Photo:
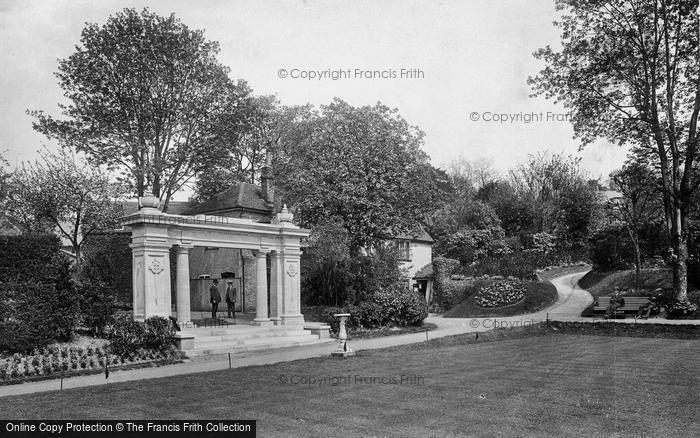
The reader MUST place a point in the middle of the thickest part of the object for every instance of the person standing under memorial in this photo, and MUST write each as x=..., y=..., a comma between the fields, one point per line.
x=231, y=300
x=214, y=298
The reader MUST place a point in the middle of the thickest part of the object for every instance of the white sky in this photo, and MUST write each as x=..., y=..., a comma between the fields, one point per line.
x=475, y=56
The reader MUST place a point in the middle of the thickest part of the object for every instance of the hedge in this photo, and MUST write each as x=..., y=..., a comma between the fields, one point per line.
x=35, y=315
x=108, y=261
x=24, y=257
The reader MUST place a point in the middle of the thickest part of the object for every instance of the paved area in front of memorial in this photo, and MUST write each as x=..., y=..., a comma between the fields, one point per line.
x=571, y=301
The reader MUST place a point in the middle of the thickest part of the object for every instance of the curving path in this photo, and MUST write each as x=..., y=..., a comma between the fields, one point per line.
x=570, y=303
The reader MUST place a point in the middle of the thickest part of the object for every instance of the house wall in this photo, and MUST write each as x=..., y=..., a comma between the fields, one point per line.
x=421, y=255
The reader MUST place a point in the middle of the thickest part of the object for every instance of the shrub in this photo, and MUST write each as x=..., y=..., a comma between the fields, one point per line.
x=543, y=242
x=330, y=276
x=158, y=334
x=128, y=337
x=401, y=306
x=448, y=292
x=523, y=265
x=470, y=245
x=389, y=307
x=36, y=314
x=97, y=304
x=679, y=310
x=500, y=293
x=611, y=249
x=108, y=260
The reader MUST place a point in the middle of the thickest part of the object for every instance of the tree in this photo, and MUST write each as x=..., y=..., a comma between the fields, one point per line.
x=72, y=197
x=515, y=213
x=628, y=72
x=470, y=175
x=244, y=138
x=146, y=94
x=326, y=263
x=362, y=166
x=564, y=203
x=639, y=205
x=5, y=178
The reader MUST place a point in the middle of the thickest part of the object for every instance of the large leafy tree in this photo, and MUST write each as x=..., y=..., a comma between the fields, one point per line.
x=145, y=95
x=363, y=167
x=629, y=72
x=63, y=194
x=258, y=127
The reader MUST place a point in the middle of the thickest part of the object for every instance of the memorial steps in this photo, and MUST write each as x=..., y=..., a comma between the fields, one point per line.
x=204, y=341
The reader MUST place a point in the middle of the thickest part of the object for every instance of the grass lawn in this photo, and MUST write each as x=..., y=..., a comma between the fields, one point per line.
x=554, y=385
x=538, y=296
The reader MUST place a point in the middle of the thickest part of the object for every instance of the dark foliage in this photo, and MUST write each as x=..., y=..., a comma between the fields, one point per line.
x=127, y=336
x=97, y=304
x=611, y=249
x=38, y=304
x=523, y=264
x=394, y=306
x=25, y=256
x=33, y=315
x=108, y=260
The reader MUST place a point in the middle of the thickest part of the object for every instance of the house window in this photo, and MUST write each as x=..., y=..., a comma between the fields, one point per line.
x=404, y=249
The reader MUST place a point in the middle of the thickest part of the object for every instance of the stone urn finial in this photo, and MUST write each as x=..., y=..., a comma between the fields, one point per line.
x=149, y=204
x=285, y=215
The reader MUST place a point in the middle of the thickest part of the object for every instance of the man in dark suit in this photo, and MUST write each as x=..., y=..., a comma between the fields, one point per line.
x=231, y=299
x=214, y=298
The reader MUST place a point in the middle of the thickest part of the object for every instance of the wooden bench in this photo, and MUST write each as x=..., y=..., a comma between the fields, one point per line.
x=632, y=305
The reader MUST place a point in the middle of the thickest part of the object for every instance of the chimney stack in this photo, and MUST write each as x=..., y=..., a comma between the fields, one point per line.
x=267, y=181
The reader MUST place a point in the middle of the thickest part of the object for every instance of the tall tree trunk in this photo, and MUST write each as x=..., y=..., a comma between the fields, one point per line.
x=140, y=186
x=679, y=259
x=637, y=259
x=78, y=261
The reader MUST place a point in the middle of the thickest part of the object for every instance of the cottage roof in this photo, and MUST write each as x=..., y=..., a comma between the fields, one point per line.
x=425, y=272
x=419, y=235
x=240, y=196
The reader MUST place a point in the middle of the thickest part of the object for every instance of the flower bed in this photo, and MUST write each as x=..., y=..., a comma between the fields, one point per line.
x=62, y=360
x=500, y=293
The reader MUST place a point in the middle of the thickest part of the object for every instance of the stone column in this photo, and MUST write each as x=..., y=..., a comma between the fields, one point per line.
x=183, y=284
x=261, y=289
x=276, y=291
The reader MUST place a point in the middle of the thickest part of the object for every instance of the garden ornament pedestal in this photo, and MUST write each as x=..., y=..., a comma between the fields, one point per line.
x=343, y=349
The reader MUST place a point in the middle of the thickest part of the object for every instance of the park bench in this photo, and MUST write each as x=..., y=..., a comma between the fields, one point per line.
x=632, y=305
